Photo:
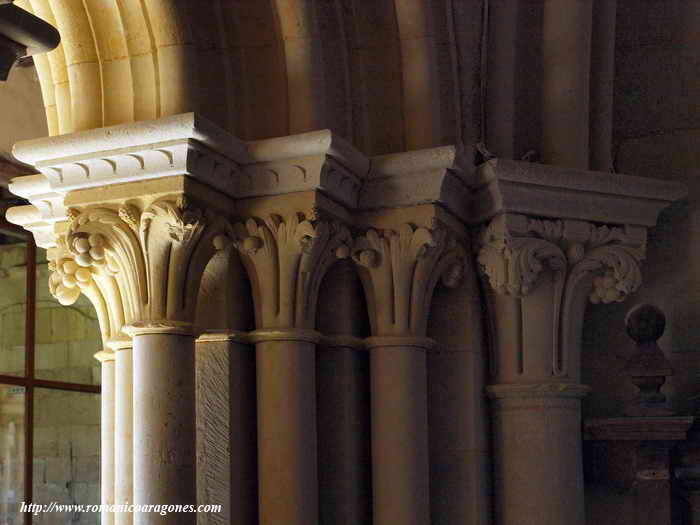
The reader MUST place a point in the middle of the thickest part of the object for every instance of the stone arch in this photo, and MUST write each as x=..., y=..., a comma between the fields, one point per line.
x=389, y=75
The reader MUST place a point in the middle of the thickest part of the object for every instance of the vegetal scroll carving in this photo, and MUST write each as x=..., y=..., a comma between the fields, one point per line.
x=400, y=269
x=138, y=266
x=286, y=259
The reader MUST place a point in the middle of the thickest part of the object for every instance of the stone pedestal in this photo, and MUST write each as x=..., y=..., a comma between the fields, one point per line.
x=634, y=453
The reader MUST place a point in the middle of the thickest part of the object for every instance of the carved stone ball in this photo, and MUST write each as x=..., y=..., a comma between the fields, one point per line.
x=342, y=251
x=220, y=242
x=453, y=275
x=252, y=244
x=645, y=323
x=369, y=258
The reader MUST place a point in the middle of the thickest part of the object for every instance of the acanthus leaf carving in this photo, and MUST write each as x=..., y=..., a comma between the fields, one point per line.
x=130, y=215
x=286, y=259
x=512, y=264
x=400, y=269
x=513, y=261
x=592, y=262
x=144, y=264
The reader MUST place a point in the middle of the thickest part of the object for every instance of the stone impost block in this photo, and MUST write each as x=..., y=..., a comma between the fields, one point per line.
x=508, y=186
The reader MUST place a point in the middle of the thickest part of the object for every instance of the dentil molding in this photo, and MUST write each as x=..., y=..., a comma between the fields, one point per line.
x=188, y=145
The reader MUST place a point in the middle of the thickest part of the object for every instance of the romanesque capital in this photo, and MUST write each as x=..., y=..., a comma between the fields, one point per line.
x=286, y=259
x=551, y=268
x=399, y=271
x=516, y=251
x=138, y=265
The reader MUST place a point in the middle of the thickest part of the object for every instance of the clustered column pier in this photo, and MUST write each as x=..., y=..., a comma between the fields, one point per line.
x=136, y=212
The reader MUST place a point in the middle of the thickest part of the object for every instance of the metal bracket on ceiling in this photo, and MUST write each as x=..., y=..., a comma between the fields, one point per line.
x=21, y=35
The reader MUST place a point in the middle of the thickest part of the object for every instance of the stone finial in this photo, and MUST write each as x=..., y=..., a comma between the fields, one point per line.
x=648, y=368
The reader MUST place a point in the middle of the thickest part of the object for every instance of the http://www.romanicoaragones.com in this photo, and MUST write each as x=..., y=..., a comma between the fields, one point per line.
x=163, y=510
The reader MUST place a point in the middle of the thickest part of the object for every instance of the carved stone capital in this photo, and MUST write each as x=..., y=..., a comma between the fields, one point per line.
x=286, y=259
x=542, y=273
x=399, y=271
x=516, y=250
x=138, y=266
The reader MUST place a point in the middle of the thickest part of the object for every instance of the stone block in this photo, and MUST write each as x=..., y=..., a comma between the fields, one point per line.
x=58, y=470
x=84, y=492
x=51, y=356
x=16, y=360
x=13, y=328
x=86, y=469
x=81, y=374
x=96, y=373
x=86, y=409
x=85, y=439
x=12, y=360
x=76, y=324
x=60, y=327
x=43, y=325
x=81, y=352
x=45, y=441
x=64, y=438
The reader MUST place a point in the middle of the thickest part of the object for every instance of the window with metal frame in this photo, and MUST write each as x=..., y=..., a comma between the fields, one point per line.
x=49, y=391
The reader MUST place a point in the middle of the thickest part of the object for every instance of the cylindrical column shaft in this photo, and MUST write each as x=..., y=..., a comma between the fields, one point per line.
x=344, y=447
x=107, y=418
x=286, y=394
x=566, y=62
x=501, y=78
x=226, y=430
x=164, y=425
x=123, y=430
x=400, y=464
x=603, y=80
x=538, y=471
